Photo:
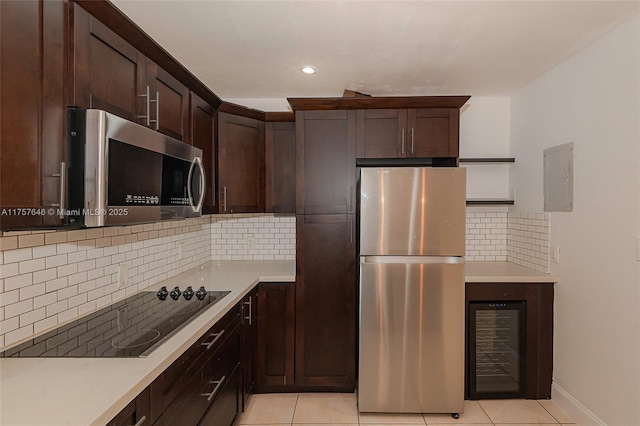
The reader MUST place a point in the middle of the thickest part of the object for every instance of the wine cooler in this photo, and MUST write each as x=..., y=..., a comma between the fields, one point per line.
x=496, y=349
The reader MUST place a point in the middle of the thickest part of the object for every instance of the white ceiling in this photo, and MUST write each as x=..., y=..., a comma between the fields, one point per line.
x=254, y=49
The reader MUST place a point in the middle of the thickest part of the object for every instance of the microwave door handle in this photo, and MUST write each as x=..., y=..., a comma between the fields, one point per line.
x=197, y=162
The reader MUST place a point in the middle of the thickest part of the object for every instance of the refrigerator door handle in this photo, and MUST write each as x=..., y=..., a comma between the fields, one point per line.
x=412, y=259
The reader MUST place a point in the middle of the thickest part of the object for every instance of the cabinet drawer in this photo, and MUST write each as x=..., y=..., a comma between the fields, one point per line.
x=224, y=409
x=180, y=374
x=207, y=385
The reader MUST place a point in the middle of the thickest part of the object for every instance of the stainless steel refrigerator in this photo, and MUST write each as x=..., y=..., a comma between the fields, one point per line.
x=411, y=340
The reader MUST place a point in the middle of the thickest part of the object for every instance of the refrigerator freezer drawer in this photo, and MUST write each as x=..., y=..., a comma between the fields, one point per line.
x=411, y=357
x=412, y=211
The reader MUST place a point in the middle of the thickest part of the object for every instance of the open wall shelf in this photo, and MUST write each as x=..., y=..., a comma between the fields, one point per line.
x=489, y=202
x=488, y=161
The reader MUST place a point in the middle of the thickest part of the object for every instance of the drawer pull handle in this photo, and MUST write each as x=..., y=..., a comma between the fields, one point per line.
x=215, y=339
x=141, y=421
x=218, y=384
x=248, y=304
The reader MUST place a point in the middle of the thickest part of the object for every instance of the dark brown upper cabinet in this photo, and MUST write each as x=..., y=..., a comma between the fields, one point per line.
x=33, y=59
x=202, y=128
x=325, y=162
x=112, y=75
x=280, y=163
x=399, y=127
x=171, y=101
x=241, y=172
x=407, y=133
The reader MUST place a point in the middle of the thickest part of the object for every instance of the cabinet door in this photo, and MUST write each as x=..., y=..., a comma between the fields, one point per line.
x=280, y=151
x=225, y=408
x=325, y=162
x=136, y=413
x=381, y=133
x=108, y=73
x=433, y=132
x=275, y=345
x=250, y=326
x=202, y=136
x=241, y=164
x=33, y=57
x=170, y=103
x=325, y=302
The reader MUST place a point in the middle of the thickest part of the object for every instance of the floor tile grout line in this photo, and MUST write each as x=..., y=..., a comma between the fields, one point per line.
x=485, y=412
x=550, y=413
x=552, y=416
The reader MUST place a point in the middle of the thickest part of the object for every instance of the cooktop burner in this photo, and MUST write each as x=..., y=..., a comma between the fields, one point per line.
x=132, y=327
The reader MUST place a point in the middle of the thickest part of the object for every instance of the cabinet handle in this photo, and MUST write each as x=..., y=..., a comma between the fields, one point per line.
x=248, y=303
x=215, y=339
x=157, y=102
x=218, y=383
x=412, y=141
x=351, y=230
x=402, y=142
x=351, y=206
x=224, y=195
x=141, y=421
x=63, y=183
x=147, y=117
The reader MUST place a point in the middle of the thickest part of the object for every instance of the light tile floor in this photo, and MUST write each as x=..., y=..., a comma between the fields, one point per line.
x=312, y=409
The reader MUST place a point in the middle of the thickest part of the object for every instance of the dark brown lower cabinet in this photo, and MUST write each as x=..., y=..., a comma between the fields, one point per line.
x=249, y=328
x=325, y=356
x=202, y=379
x=538, y=339
x=275, y=339
x=224, y=409
x=134, y=414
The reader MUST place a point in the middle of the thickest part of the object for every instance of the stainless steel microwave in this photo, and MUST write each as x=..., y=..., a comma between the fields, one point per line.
x=122, y=173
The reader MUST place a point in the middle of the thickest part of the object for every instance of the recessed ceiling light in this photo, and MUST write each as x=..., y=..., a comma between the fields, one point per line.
x=308, y=70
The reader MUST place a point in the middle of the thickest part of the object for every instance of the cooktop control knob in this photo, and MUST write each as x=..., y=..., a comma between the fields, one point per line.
x=175, y=293
x=201, y=293
x=188, y=293
x=162, y=293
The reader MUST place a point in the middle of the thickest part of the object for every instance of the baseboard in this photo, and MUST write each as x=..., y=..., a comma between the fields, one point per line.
x=572, y=407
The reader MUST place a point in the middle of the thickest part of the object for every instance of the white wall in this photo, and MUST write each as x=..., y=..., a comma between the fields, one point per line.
x=592, y=100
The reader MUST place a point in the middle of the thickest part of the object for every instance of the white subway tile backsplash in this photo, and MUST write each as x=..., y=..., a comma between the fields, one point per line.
x=19, y=334
x=528, y=240
x=19, y=308
x=44, y=300
x=253, y=237
x=19, y=255
x=31, y=240
x=486, y=235
x=17, y=282
x=32, y=291
x=9, y=325
x=70, y=273
x=9, y=270
x=32, y=316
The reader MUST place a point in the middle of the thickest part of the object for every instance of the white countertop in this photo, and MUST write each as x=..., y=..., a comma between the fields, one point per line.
x=504, y=272
x=91, y=391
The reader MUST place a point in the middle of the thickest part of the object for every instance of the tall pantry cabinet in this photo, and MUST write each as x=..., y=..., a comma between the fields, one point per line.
x=325, y=231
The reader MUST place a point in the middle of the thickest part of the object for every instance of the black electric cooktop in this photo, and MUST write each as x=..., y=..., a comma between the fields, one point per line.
x=132, y=327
